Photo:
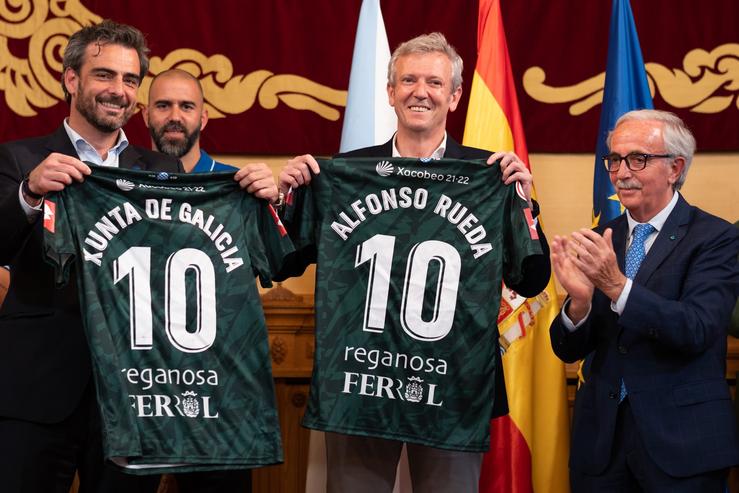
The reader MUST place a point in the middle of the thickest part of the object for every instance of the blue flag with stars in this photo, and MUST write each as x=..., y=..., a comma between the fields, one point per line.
x=626, y=89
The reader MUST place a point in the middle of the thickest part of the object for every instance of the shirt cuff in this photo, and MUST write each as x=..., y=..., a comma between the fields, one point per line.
x=571, y=327
x=32, y=212
x=620, y=303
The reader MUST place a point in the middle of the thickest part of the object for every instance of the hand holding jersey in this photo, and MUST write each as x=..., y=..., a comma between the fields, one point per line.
x=513, y=170
x=54, y=173
x=298, y=172
x=257, y=179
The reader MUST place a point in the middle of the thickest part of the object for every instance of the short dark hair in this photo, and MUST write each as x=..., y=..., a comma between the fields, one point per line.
x=107, y=32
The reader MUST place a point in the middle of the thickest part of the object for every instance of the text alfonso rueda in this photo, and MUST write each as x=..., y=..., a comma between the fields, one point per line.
x=121, y=217
x=405, y=198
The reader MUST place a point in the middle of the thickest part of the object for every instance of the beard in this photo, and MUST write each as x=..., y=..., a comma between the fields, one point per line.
x=174, y=147
x=88, y=106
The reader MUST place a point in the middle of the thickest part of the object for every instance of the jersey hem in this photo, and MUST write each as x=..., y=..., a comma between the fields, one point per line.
x=395, y=436
x=163, y=468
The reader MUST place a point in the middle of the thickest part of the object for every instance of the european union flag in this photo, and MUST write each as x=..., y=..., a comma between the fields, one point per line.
x=625, y=89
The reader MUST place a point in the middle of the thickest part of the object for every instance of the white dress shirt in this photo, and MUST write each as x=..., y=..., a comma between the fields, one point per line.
x=85, y=152
x=436, y=155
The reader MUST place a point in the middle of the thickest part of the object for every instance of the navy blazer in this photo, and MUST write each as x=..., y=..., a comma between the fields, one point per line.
x=668, y=345
x=44, y=359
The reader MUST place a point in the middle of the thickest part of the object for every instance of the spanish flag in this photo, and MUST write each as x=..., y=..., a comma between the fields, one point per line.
x=529, y=448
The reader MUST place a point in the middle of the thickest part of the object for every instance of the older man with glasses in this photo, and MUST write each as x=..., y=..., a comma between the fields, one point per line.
x=650, y=295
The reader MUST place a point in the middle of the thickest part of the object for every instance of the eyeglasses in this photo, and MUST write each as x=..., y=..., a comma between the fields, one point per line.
x=634, y=161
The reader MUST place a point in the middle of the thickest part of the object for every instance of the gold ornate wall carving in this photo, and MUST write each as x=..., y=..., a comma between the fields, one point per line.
x=33, y=83
x=227, y=94
x=707, y=83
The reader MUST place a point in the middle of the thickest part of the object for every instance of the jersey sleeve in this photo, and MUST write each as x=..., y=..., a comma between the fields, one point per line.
x=59, y=247
x=301, y=216
x=269, y=243
x=521, y=237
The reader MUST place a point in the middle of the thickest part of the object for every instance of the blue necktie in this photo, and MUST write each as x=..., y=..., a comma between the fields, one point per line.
x=634, y=257
x=636, y=252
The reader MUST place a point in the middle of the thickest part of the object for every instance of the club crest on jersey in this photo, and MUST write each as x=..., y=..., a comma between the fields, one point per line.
x=414, y=389
x=49, y=215
x=384, y=168
x=125, y=185
x=190, y=405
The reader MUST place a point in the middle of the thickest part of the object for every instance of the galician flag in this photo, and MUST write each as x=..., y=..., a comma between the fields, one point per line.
x=368, y=118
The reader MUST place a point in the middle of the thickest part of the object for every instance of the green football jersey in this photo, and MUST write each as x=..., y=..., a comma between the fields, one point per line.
x=165, y=268
x=411, y=256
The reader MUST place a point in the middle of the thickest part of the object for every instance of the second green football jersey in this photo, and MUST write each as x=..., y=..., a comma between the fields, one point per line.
x=410, y=263
x=165, y=266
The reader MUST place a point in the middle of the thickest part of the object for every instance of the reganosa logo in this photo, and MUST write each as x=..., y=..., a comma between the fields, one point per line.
x=125, y=185
x=384, y=168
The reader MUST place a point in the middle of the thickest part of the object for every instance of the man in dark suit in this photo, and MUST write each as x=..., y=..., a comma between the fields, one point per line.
x=48, y=418
x=650, y=295
x=424, y=85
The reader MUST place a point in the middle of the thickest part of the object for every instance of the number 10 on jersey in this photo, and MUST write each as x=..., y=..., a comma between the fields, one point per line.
x=378, y=251
x=135, y=263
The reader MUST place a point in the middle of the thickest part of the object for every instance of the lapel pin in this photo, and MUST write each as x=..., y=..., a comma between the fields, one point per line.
x=673, y=237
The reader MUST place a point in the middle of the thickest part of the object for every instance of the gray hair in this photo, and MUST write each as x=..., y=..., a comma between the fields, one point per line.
x=107, y=32
x=428, y=43
x=677, y=137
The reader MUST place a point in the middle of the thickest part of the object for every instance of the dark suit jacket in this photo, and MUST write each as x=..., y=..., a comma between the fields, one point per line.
x=537, y=270
x=44, y=360
x=669, y=345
